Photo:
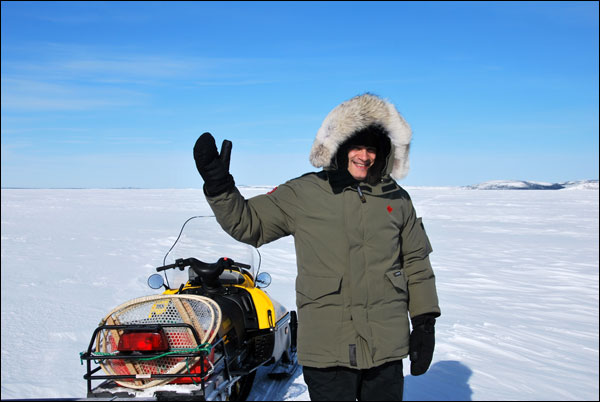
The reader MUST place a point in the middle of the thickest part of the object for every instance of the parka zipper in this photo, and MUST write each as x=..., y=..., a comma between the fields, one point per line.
x=360, y=194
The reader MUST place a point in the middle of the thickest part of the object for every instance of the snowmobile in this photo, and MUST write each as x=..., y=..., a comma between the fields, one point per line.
x=201, y=340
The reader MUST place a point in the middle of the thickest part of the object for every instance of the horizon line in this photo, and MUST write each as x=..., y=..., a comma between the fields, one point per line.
x=266, y=186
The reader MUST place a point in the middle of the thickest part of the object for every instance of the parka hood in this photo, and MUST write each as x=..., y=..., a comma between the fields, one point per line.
x=357, y=114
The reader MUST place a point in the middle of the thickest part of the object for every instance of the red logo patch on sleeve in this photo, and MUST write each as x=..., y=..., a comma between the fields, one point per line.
x=390, y=209
x=272, y=191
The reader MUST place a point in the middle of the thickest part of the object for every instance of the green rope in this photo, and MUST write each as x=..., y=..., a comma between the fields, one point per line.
x=187, y=366
x=205, y=347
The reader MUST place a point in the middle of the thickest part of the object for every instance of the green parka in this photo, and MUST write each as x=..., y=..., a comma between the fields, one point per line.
x=361, y=251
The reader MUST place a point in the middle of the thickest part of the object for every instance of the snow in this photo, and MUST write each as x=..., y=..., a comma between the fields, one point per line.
x=517, y=277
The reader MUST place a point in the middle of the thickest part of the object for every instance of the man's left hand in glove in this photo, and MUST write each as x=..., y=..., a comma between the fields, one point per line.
x=422, y=343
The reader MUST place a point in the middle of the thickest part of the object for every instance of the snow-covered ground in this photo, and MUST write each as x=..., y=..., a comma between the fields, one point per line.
x=517, y=276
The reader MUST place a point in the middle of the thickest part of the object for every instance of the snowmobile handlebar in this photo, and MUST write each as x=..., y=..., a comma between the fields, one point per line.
x=209, y=272
x=194, y=263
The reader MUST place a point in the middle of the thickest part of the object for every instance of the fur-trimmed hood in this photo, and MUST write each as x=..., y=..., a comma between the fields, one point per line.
x=354, y=115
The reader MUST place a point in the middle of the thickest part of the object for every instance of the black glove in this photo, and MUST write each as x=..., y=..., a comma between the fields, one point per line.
x=422, y=343
x=213, y=168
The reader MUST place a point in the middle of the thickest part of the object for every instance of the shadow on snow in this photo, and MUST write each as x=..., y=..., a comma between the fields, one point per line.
x=446, y=380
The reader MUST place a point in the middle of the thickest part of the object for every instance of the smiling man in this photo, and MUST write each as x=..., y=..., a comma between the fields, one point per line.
x=358, y=154
x=362, y=253
x=360, y=159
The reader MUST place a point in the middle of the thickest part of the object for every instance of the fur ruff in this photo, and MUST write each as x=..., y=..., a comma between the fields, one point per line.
x=356, y=114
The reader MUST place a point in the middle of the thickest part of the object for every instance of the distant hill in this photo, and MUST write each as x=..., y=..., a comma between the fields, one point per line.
x=534, y=185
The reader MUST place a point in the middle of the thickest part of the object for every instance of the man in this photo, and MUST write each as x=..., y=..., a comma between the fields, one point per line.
x=362, y=253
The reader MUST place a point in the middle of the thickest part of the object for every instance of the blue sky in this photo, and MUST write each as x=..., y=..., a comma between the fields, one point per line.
x=114, y=94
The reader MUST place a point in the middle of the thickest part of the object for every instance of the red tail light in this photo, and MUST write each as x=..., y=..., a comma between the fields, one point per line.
x=134, y=341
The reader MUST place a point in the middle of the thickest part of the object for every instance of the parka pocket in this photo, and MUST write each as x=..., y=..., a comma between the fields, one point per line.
x=398, y=279
x=314, y=289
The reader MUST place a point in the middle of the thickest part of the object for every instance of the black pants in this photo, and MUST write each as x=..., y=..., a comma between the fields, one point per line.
x=382, y=383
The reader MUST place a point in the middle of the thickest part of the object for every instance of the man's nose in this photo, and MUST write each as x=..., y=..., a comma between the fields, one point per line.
x=363, y=154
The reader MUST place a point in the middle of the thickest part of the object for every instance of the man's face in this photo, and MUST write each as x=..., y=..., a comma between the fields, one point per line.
x=360, y=159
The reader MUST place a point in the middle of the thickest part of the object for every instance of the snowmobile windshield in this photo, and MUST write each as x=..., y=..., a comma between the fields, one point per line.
x=202, y=238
